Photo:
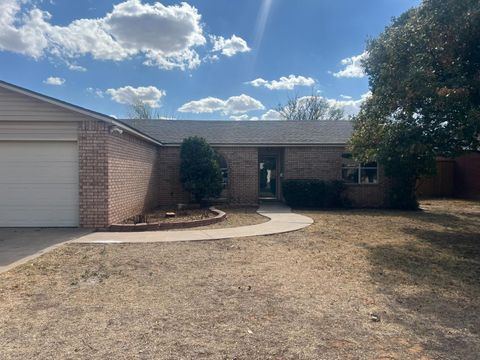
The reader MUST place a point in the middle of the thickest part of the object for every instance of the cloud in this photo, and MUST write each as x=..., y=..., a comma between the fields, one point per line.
x=97, y=92
x=75, y=67
x=129, y=95
x=232, y=106
x=55, y=81
x=206, y=105
x=271, y=115
x=353, y=67
x=229, y=47
x=350, y=106
x=240, y=117
x=166, y=36
x=284, y=83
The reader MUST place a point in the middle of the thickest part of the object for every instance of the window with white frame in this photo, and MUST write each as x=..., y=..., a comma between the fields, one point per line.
x=354, y=173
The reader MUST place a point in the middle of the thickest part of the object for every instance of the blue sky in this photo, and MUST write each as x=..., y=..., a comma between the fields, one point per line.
x=203, y=59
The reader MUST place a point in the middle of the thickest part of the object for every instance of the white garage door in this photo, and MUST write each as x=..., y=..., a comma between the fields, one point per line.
x=38, y=184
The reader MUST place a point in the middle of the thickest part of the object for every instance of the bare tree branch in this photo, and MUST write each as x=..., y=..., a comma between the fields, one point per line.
x=309, y=108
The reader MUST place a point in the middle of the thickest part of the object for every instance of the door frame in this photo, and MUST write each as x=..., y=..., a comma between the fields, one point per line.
x=272, y=155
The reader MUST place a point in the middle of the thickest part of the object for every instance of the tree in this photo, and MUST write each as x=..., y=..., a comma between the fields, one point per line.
x=424, y=75
x=142, y=111
x=312, y=107
x=199, y=169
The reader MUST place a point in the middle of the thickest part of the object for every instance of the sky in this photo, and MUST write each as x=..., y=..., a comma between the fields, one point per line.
x=197, y=59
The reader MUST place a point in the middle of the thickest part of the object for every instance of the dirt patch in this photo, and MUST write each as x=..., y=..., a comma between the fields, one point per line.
x=355, y=285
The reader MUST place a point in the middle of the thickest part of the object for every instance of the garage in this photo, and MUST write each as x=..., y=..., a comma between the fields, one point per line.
x=39, y=184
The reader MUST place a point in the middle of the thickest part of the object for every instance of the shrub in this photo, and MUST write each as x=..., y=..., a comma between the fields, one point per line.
x=314, y=193
x=200, y=172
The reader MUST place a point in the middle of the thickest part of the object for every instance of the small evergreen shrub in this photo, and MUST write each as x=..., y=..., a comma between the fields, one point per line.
x=314, y=193
x=200, y=172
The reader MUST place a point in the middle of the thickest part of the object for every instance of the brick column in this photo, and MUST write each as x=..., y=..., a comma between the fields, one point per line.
x=93, y=171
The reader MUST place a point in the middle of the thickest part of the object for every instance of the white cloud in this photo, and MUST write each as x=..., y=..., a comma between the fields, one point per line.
x=240, y=117
x=129, y=95
x=346, y=97
x=55, y=81
x=167, y=36
x=284, y=83
x=353, y=67
x=232, y=106
x=350, y=106
x=97, y=92
x=206, y=105
x=271, y=115
x=229, y=47
x=75, y=67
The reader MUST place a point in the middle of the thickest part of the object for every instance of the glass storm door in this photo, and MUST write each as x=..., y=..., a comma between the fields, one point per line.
x=267, y=177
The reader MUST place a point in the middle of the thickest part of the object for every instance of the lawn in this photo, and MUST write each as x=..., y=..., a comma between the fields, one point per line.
x=355, y=285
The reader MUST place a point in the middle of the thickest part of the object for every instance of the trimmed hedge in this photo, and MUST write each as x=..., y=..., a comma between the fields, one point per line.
x=314, y=193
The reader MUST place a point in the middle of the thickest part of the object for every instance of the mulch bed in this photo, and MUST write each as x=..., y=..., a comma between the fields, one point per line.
x=159, y=220
x=158, y=215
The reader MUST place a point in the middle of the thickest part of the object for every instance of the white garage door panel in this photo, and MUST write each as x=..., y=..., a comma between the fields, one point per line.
x=39, y=195
x=38, y=173
x=38, y=183
x=38, y=218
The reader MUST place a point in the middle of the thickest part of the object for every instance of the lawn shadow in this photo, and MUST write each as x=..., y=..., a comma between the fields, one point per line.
x=433, y=282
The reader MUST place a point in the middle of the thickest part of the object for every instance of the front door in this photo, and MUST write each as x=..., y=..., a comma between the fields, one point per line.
x=268, y=177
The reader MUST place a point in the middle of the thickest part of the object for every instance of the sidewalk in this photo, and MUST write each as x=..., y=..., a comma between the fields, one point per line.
x=282, y=220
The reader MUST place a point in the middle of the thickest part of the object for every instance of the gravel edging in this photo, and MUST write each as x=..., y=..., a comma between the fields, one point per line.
x=159, y=226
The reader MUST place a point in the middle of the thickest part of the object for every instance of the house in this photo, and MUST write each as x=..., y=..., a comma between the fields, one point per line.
x=65, y=166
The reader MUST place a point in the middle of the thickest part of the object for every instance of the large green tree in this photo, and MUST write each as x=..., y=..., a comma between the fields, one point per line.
x=424, y=75
x=200, y=172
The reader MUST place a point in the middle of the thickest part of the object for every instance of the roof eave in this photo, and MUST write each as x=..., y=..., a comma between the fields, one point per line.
x=78, y=109
x=265, y=144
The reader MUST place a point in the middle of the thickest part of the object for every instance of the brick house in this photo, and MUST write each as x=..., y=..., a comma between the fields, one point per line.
x=63, y=165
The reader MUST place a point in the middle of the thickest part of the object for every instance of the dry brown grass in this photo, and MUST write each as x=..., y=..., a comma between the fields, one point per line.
x=237, y=216
x=304, y=295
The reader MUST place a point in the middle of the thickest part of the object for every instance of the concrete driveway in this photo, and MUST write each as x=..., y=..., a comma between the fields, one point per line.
x=18, y=245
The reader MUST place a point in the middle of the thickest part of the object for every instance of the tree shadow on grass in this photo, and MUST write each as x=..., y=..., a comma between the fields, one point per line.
x=433, y=283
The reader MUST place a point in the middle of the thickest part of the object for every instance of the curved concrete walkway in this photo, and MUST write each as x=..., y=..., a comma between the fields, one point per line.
x=282, y=220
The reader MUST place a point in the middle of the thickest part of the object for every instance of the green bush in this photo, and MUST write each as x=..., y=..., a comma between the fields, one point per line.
x=200, y=172
x=314, y=193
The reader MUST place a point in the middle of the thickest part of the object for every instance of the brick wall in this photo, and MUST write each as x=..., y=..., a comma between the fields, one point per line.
x=93, y=174
x=325, y=163
x=242, y=174
x=118, y=175
x=171, y=192
x=322, y=163
x=121, y=175
x=133, y=177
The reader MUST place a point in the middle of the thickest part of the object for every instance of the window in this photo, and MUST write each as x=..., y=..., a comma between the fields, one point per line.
x=353, y=173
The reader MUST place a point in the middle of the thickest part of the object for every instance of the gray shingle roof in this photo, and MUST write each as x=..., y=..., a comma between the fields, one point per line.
x=171, y=132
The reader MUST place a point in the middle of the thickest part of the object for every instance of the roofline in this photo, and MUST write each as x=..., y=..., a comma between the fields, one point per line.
x=78, y=109
x=265, y=145
x=232, y=121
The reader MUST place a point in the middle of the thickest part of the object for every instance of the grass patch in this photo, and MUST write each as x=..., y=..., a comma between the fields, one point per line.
x=311, y=294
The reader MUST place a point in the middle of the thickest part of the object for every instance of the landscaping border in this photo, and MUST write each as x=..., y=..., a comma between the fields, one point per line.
x=159, y=226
